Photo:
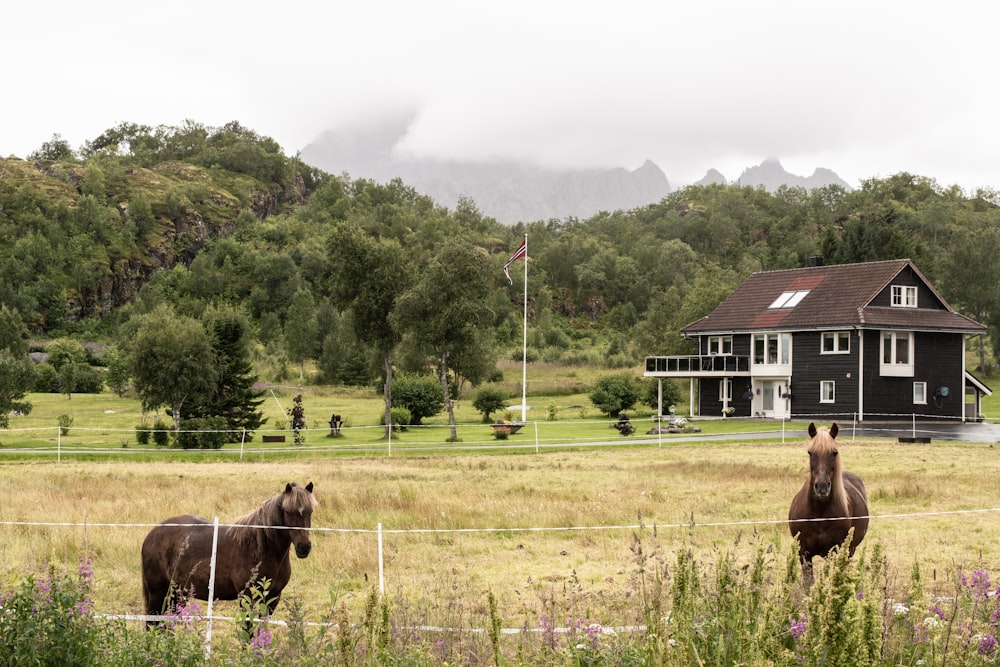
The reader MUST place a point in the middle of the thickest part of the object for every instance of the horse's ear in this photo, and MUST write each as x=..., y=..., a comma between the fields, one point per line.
x=288, y=487
x=309, y=487
x=812, y=430
x=834, y=430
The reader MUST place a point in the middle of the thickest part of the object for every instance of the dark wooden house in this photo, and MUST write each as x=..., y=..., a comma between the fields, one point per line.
x=864, y=341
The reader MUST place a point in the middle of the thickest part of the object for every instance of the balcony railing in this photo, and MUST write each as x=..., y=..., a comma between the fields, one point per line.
x=698, y=364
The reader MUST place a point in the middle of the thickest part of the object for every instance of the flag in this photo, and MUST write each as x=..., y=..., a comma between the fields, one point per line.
x=521, y=252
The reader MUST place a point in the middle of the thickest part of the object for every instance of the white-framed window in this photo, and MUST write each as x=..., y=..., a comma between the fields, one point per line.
x=726, y=390
x=788, y=299
x=827, y=391
x=720, y=345
x=896, y=353
x=836, y=342
x=904, y=296
x=772, y=348
x=920, y=393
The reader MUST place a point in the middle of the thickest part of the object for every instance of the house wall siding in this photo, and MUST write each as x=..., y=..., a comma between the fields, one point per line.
x=937, y=361
x=810, y=367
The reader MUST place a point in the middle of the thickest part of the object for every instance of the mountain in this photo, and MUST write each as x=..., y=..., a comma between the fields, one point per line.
x=508, y=191
x=771, y=175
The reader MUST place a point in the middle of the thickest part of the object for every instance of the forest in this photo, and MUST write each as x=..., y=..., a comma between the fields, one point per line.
x=350, y=279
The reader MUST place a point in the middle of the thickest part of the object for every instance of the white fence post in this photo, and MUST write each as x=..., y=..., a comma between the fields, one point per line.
x=381, y=569
x=211, y=587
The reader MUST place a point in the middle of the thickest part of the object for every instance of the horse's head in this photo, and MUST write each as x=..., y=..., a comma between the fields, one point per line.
x=824, y=460
x=297, y=504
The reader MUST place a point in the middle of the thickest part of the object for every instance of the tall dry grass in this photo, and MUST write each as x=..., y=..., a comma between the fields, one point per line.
x=558, y=531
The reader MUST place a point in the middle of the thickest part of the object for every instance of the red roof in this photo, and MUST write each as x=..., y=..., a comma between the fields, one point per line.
x=839, y=295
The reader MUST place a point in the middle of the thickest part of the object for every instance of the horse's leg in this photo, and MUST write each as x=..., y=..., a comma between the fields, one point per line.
x=806, y=560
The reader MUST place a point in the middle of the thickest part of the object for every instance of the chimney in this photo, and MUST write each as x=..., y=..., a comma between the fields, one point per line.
x=816, y=260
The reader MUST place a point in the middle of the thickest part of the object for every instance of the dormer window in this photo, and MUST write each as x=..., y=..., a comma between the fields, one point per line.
x=904, y=296
x=788, y=299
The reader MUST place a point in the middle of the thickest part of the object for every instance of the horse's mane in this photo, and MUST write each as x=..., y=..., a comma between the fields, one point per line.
x=269, y=514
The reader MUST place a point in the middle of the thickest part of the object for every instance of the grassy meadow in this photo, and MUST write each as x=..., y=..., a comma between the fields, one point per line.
x=537, y=527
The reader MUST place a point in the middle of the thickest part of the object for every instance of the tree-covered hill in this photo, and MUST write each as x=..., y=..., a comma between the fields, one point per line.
x=198, y=218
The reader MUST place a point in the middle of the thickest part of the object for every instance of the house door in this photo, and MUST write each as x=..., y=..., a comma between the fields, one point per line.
x=771, y=402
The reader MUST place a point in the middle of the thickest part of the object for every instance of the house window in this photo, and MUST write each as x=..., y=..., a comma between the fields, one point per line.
x=896, y=353
x=920, y=393
x=904, y=296
x=772, y=348
x=726, y=390
x=720, y=345
x=788, y=299
x=836, y=342
x=827, y=391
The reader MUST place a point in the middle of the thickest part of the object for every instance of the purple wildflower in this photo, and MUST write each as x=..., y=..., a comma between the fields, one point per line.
x=797, y=628
x=987, y=645
x=995, y=618
x=261, y=641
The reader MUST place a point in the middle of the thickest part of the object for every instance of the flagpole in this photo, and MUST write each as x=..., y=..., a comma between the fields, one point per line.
x=524, y=345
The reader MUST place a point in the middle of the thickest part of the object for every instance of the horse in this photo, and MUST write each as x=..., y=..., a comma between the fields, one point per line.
x=832, y=495
x=177, y=553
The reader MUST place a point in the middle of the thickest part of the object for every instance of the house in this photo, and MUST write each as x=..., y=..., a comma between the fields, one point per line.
x=852, y=341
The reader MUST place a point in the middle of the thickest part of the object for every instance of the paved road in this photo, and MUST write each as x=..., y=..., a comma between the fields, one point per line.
x=970, y=432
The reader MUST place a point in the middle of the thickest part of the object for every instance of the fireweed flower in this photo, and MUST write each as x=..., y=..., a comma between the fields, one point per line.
x=987, y=645
x=261, y=641
x=797, y=628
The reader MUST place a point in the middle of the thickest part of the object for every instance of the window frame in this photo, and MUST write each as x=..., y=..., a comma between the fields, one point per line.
x=828, y=397
x=923, y=399
x=904, y=296
x=725, y=390
x=893, y=367
x=837, y=337
x=717, y=346
x=782, y=346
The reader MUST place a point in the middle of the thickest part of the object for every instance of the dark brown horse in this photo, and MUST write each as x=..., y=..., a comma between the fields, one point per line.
x=829, y=504
x=176, y=555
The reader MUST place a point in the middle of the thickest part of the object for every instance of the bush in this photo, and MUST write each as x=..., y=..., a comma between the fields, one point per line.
x=420, y=394
x=203, y=433
x=615, y=393
x=65, y=421
x=671, y=394
x=400, y=418
x=489, y=400
x=46, y=379
x=161, y=433
x=142, y=433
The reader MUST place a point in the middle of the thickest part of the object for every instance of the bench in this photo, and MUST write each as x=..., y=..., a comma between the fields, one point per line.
x=273, y=438
x=917, y=439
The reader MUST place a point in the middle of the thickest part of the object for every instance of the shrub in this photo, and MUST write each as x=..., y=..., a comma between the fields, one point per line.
x=615, y=393
x=671, y=394
x=400, y=418
x=202, y=433
x=65, y=421
x=161, y=433
x=420, y=394
x=489, y=400
x=142, y=433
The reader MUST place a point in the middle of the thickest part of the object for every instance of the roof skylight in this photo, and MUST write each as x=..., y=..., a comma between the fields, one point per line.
x=788, y=299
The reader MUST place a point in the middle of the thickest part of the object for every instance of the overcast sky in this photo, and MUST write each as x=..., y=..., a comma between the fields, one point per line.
x=867, y=89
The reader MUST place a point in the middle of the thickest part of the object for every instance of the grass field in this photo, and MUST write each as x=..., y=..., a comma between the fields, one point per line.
x=547, y=521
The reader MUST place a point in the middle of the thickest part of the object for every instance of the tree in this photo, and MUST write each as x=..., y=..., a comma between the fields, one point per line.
x=489, y=400
x=171, y=361
x=302, y=330
x=16, y=378
x=368, y=276
x=55, y=148
x=447, y=306
x=297, y=415
x=233, y=397
x=13, y=332
x=651, y=394
x=613, y=394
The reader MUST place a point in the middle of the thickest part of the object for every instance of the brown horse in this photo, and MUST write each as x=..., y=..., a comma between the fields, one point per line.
x=830, y=503
x=176, y=555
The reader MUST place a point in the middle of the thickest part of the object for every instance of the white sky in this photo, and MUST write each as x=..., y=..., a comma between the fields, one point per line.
x=866, y=88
